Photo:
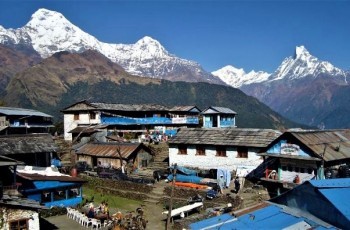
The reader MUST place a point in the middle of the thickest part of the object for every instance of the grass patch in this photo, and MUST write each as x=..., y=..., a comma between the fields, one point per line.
x=114, y=202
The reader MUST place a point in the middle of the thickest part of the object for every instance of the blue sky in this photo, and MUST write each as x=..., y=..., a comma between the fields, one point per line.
x=247, y=34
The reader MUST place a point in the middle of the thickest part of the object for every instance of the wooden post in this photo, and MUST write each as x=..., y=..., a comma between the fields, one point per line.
x=171, y=197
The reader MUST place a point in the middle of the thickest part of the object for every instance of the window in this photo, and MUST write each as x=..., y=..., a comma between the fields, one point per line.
x=200, y=150
x=76, y=116
x=220, y=151
x=182, y=150
x=19, y=224
x=92, y=116
x=242, y=152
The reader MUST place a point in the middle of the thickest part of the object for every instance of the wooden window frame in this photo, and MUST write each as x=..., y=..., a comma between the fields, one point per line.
x=200, y=150
x=92, y=115
x=242, y=152
x=221, y=151
x=76, y=116
x=18, y=226
x=182, y=150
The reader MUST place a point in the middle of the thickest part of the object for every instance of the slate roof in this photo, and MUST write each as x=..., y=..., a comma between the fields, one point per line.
x=334, y=143
x=111, y=149
x=28, y=143
x=185, y=108
x=225, y=136
x=6, y=161
x=20, y=202
x=218, y=110
x=88, y=106
x=22, y=112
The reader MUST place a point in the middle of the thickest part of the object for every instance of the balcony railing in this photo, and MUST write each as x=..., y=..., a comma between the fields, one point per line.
x=148, y=121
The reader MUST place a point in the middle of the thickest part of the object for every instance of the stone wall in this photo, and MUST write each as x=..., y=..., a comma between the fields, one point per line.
x=9, y=215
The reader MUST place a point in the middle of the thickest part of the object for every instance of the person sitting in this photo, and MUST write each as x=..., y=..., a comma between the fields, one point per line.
x=101, y=207
x=91, y=212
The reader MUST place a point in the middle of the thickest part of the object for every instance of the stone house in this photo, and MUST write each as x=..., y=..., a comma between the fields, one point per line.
x=32, y=149
x=120, y=118
x=301, y=155
x=110, y=154
x=224, y=148
x=23, y=121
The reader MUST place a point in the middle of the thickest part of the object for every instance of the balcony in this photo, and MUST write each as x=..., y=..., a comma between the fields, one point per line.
x=148, y=121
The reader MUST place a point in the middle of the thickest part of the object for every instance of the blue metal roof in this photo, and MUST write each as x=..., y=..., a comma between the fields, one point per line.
x=331, y=183
x=22, y=112
x=271, y=217
x=339, y=197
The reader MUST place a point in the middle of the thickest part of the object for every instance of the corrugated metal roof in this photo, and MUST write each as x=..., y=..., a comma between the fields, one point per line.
x=333, y=144
x=28, y=143
x=225, y=136
x=216, y=110
x=271, y=217
x=38, y=177
x=22, y=112
x=110, y=149
x=333, y=183
x=339, y=197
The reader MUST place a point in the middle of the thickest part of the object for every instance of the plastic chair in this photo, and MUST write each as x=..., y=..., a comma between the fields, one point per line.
x=95, y=223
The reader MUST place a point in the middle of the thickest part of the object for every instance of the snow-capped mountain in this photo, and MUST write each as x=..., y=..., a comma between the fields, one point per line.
x=303, y=64
x=306, y=90
x=238, y=77
x=49, y=32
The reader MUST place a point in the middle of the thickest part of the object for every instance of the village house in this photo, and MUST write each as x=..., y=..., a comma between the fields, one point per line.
x=125, y=118
x=32, y=149
x=16, y=212
x=49, y=187
x=114, y=154
x=220, y=117
x=220, y=148
x=23, y=121
x=301, y=155
x=315, y=204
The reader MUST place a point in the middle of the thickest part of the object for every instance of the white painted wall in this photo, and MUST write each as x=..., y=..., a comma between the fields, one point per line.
x=210, y=160
x=84, y=119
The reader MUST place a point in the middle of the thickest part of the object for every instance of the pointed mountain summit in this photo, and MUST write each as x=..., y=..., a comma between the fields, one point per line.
x=303, y=64
x=306, y=90
x=238, y=77
x=49, y=32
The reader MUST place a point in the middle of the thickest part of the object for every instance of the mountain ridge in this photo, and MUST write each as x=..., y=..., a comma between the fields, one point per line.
x=303, y=89
x=146, y=58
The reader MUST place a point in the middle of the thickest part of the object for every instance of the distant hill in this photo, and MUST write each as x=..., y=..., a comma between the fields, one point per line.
x=66, y=78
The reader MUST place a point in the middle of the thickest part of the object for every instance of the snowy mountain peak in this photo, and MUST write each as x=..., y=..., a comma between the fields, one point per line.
x=301, y=53
x=238, y=77
x=152, y=46
x=304, y=64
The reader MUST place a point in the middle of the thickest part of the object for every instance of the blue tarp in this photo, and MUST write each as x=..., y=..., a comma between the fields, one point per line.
x=186, y=178
x=183, y=170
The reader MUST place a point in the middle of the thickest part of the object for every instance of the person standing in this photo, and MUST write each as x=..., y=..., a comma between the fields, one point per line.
x=221, y=184
x=237, y=184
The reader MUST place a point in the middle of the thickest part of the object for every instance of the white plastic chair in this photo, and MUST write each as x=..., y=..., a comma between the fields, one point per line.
x=95, y=223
